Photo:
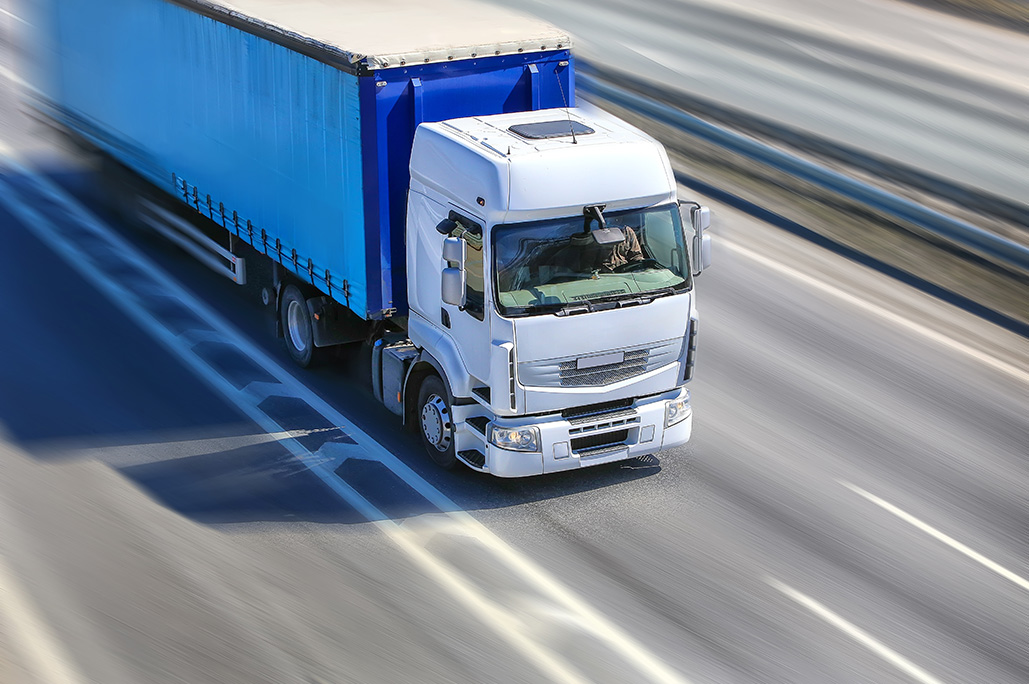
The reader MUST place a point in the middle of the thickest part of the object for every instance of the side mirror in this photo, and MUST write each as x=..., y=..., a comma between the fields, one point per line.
x=453, y=251
x=700, y=218
x=446, y=226
x=452, y=282
x=452, y=287
x=704, y=249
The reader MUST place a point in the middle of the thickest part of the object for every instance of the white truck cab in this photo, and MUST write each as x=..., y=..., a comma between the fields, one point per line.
x=550, y=285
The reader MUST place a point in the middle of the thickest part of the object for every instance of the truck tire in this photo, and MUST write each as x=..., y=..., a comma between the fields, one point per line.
x=296, y=327
x=436, y=422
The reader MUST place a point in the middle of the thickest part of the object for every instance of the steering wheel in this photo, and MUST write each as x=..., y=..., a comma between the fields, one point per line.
x=634, y=266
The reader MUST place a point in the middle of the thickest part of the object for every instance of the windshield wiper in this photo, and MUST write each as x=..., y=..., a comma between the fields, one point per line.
x=663, y=292
x=572, y=309
x=633, y=298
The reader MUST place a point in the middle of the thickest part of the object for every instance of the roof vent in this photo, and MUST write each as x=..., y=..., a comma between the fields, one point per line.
x=541, y=130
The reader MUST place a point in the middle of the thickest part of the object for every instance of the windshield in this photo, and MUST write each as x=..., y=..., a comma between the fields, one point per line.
x=557, y=266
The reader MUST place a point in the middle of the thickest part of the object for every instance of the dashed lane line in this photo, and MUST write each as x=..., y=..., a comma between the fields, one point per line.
x=13, y=77
x=865, y=305
x=856, y=633
x=1018, y=580
x=115, y=252
x=44, y=655
x=10, y=15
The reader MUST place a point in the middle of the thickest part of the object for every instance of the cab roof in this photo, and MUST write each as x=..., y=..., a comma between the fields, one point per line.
x=523, y=178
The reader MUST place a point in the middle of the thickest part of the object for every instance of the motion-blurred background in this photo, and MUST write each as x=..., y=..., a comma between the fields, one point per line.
x=853, y=504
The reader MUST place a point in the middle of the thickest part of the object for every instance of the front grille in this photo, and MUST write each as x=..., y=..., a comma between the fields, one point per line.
x=565, y=372
x=591, y=442
x=635, y=363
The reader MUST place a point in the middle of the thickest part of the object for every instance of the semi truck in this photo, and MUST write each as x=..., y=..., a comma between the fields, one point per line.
x=419, y=176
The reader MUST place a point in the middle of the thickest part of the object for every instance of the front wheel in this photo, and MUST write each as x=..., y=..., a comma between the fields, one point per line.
x=296, y=327
x=436, y=422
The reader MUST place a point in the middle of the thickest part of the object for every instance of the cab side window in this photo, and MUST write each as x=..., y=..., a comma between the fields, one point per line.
x=471, y=232
x=475, y=298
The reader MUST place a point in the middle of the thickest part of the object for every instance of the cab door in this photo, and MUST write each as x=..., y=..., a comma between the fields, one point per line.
x=468, y=324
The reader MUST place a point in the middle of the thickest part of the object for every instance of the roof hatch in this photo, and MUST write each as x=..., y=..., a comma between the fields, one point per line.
x=541, y=130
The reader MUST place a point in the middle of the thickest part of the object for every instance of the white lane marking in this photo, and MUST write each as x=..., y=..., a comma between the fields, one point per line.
x=865, y=305
x=940, y=536
x=7, y=13
x=45, y=657
x=247, y=400
x=512, y=628
x=13, y=77
x=856, y=633
x=47, y=660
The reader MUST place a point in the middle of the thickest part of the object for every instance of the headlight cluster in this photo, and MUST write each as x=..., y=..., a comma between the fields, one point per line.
x=515, y=439
x=677, y=411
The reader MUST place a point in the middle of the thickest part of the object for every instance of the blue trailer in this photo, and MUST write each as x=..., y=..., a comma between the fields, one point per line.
x=279, y=121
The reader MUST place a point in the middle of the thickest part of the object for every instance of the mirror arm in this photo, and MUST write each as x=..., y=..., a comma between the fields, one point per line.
x=594, y=212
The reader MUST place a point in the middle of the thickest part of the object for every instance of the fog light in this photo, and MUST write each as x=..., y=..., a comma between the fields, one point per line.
x=677, y=411
x=515, y=439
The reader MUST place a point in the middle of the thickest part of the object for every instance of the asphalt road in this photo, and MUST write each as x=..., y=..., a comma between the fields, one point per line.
x=939, y=94
x=853, y=507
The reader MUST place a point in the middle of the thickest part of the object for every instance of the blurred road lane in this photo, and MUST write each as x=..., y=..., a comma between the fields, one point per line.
x=938, y=93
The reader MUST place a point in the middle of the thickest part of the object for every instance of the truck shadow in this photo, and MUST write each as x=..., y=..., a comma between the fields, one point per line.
x=91, y=384
x=264, y=483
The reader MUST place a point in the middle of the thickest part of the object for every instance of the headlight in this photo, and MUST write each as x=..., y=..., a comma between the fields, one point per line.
x=677, y=411
x=515, y=439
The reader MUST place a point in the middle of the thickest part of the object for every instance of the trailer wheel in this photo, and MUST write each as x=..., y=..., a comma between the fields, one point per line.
x=296, y=327
x=436, y=422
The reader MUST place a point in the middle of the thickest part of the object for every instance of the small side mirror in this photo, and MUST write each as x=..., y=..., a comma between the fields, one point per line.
x=453, y=252
x=705, y=253
x=700, y=219
x=452, y=284
x=452, y=287
x=446, y=226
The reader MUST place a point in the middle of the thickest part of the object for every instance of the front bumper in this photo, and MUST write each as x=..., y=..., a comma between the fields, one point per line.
x=583, y=441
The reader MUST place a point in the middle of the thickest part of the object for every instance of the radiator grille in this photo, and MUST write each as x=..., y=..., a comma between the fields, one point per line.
x=635, y=363
x=565, y=372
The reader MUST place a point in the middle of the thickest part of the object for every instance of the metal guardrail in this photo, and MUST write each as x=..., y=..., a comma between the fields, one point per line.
x=972, y=237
